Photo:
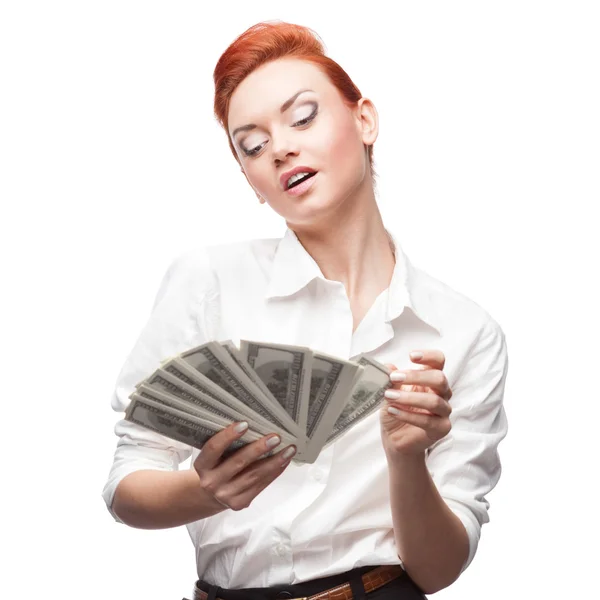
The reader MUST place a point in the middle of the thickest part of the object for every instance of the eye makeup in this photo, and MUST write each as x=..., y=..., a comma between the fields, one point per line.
x=300, y=123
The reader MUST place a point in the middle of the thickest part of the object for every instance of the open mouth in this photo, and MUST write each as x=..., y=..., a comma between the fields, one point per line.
x=299, y=181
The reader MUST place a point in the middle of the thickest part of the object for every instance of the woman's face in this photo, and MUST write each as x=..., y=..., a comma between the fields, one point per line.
x=316, y=130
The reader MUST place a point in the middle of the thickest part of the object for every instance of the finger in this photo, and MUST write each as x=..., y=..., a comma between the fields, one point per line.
x=393, y=368
x=215, y=480
x=242, y=458
x=427, y=402
x=430, y=357
x=431, y=378
x=212, y=451
x=264, y=469
x=247, y=485
x=435, y=427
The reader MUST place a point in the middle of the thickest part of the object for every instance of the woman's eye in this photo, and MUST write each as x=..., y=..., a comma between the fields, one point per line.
x=253, y=151
x=308, y=119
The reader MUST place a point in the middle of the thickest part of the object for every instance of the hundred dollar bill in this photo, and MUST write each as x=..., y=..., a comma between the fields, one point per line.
x=167, y=383
x=286, y=371
x=207, y=418
x=170, y=401
x=332, y=381
x=237, y=357
x=164, y=381
x=365, y=398
x=174, y=406
x=214, y=363
x=188, y=375
x=211, y=392
x=178, y=425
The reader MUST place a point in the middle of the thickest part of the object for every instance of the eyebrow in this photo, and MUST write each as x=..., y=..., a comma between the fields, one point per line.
x=283, y=108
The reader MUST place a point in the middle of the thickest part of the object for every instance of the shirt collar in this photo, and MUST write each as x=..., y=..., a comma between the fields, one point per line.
x=294, y=268
x=408, y=290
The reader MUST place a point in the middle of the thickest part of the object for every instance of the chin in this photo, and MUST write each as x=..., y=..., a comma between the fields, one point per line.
x=311, y=212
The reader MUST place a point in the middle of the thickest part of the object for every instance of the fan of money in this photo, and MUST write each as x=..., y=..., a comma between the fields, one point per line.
x=307, y=397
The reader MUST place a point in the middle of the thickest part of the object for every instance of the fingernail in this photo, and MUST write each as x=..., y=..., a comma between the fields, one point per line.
x=393, y=394
x=394, y=410
x=241, y=427
x=271, y=442
x=289, y=452
x=398, y=376
x=416, y=355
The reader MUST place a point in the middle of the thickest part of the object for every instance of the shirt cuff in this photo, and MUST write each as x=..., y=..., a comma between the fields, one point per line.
x=129, y=459
x=471, y=525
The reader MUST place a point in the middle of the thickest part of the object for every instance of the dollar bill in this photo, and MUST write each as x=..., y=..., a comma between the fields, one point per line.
x=166, y=399
x=236, y=356
x=164, y=381
x=309, y=398
x=286, y=371
x=332, y=381
x=201, y=389
x=365, y=398
x=214, y=363
x=178, y=425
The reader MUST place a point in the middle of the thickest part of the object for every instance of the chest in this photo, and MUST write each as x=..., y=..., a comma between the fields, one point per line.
x=322, y=317
x=370, y=309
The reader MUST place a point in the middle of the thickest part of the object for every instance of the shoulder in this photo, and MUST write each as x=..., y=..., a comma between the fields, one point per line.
x=236, y=255
x=233, y=265
x=212, y=260
x=452, y=309
x=215, y=255
x=206, y=271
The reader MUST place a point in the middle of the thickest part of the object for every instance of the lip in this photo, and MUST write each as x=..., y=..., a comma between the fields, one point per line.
x=302, y=188
x=284, y=178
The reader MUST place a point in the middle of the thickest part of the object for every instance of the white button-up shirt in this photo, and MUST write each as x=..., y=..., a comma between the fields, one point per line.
x=334, y=515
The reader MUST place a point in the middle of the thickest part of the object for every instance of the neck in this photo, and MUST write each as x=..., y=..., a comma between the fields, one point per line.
x=354, y=249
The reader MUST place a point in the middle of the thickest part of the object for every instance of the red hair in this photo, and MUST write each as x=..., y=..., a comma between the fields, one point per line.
x=266, y=42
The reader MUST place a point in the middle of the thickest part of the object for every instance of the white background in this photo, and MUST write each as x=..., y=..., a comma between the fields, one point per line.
x=111, y=163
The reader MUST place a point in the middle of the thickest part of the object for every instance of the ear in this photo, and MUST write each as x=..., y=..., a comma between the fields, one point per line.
x=368, y=121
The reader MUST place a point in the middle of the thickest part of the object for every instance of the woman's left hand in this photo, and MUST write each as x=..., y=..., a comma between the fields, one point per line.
x=422, y=401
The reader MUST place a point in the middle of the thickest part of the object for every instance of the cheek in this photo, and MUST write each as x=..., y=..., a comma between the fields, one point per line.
x=258, y=178
x=344, y=149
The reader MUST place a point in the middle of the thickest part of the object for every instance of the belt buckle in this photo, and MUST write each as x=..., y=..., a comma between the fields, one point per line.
x=290, y=598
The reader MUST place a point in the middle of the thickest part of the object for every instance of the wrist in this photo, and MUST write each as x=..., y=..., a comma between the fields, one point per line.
x=405, y=459
x=203, y=499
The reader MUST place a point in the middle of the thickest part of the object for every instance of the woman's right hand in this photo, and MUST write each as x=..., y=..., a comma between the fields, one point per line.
x=236, y=480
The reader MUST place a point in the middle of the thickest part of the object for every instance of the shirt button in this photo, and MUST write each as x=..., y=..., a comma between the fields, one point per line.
x=281, y=550
x=317, y=474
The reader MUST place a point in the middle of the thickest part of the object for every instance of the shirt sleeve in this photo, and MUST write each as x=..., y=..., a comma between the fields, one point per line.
x=465, y=465
x=185, y=314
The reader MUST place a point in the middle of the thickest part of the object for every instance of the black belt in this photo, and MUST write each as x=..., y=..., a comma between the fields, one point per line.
x=372, y=580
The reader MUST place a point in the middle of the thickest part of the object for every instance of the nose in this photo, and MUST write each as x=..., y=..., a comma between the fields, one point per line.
x=283, y=146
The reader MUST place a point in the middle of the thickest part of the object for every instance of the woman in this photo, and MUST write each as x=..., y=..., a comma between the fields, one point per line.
x=393, y=508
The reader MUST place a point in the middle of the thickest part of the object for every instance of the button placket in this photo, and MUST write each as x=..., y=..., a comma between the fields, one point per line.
x=280, y=551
